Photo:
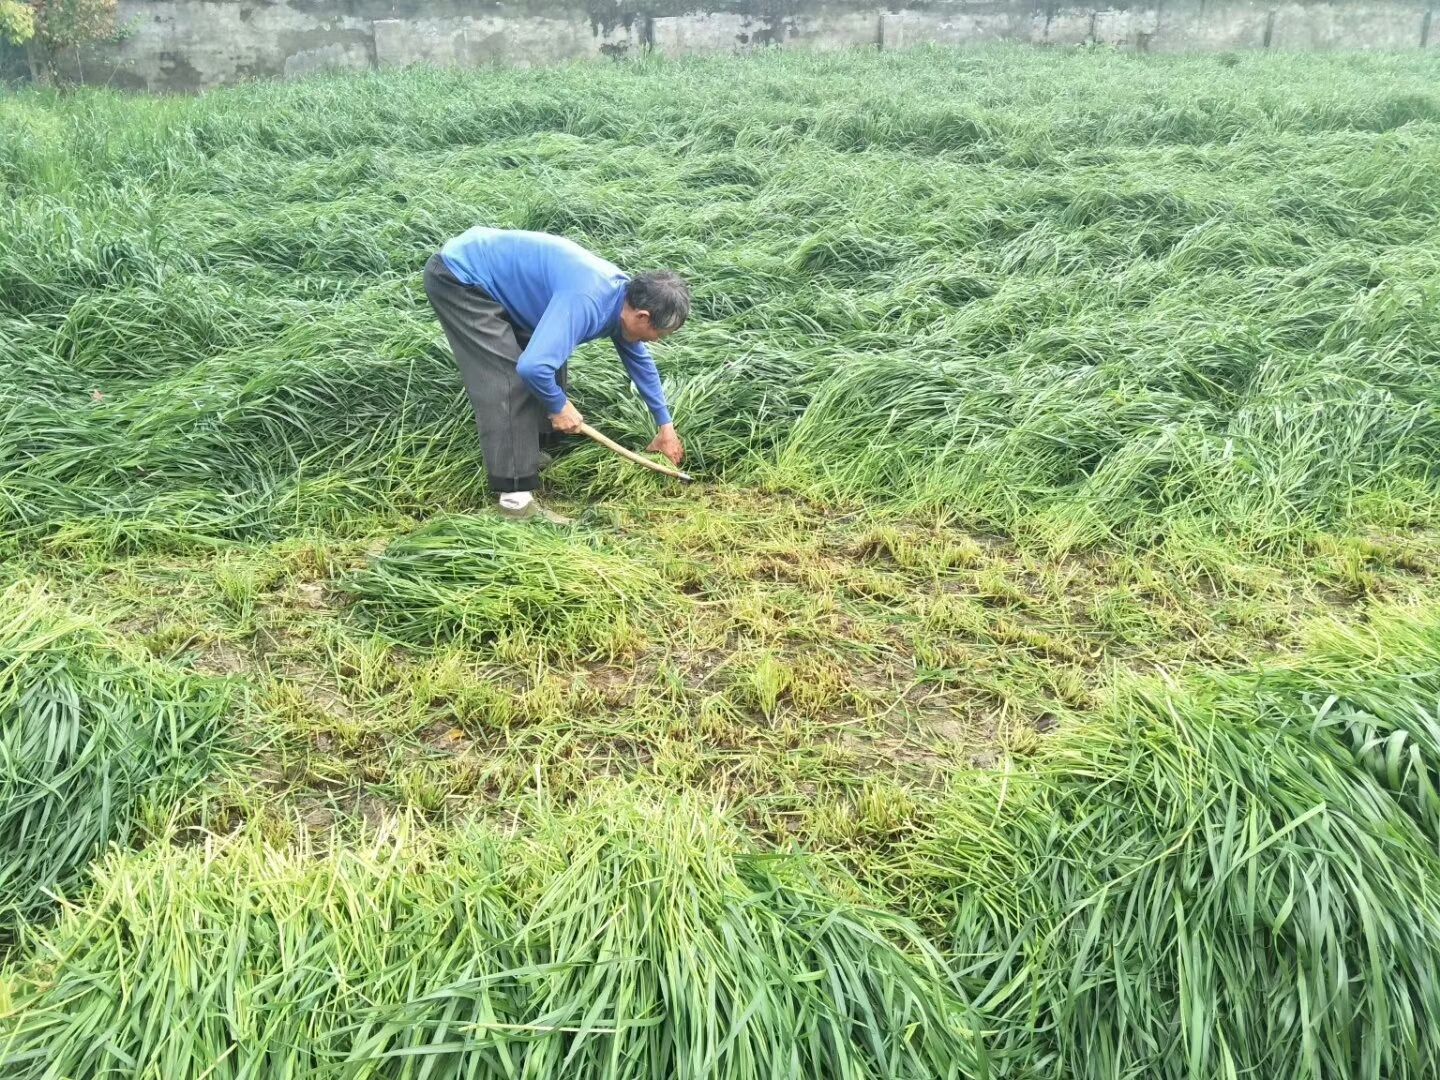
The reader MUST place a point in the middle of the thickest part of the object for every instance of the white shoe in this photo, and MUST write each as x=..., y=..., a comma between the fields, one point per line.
x=533, y=509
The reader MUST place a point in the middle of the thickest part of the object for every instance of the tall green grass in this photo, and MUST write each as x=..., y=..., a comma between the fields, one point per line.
x=91, y=743
x=1061, y=292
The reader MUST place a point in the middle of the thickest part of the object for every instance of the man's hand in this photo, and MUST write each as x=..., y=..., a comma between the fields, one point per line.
x=669, y=444
x=568, y=420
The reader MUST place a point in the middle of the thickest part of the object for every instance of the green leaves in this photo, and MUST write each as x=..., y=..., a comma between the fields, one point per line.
x=17, y=21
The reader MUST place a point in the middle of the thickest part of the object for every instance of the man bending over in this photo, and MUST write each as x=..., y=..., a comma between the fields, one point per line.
x=514, y=306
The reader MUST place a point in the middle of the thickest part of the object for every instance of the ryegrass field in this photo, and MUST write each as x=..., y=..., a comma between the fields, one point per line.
x=1042, y=681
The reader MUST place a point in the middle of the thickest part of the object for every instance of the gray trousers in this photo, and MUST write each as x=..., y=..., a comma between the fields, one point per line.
x=512, y=421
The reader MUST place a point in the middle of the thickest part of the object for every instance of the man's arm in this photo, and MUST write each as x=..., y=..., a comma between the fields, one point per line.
x=561, y=329
x=641, y=367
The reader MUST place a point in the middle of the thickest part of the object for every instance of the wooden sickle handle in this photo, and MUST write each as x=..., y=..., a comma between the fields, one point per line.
x=609, y=443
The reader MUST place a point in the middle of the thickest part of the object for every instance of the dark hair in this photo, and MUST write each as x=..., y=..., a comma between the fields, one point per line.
x=664, y=294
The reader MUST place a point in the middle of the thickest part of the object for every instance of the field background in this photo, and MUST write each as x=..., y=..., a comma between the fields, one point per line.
x=1042, y=681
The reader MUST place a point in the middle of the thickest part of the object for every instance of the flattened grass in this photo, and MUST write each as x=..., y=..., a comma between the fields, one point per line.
x=1230, y=878
x=90, y=741
x=1056, y=375
x=622, y=940
x=1090, y=313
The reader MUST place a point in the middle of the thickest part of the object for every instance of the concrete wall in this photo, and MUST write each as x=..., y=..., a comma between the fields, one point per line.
x=186, y=45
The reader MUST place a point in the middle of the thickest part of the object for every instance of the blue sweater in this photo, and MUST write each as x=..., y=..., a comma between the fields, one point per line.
x=563, y=295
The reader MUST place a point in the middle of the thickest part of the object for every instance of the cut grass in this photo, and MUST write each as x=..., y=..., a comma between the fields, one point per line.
x=522, y=592
x=91, y=743
x=1157, y=892
x=625, y=940
x=773, y=660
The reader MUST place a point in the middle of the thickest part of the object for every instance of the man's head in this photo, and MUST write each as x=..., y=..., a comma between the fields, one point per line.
x=657, y=304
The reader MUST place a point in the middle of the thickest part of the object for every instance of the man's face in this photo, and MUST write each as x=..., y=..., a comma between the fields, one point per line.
x=635, y=325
